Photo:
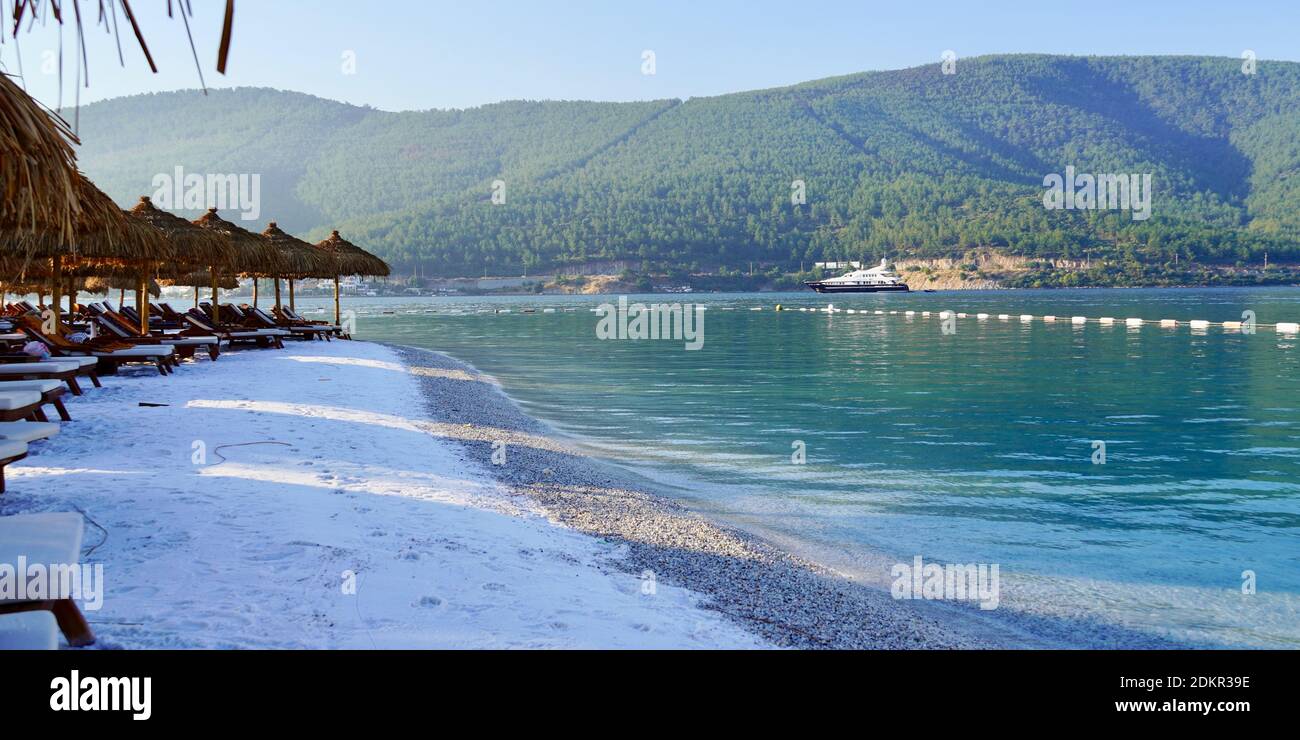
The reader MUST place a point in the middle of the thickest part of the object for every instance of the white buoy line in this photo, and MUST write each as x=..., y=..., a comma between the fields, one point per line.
x=1284, y=327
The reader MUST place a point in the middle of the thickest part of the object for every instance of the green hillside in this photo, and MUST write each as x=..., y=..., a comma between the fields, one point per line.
x=900, y=163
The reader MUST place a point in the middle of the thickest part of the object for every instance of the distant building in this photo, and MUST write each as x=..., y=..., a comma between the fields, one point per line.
x=838, y=265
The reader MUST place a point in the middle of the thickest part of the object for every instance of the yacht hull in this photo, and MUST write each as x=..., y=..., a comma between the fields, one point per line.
x=822, y=287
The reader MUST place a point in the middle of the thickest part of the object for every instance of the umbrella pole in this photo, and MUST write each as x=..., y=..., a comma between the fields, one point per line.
x=277, y=292
x=255, y=281
x=57, y=290
x=196, y=296
x=121, y=298
x=292, y=306
x=336, y=301
x=142, y=307
x=216, y=306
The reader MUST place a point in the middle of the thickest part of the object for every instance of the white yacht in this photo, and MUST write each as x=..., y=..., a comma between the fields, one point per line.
x=878, y=279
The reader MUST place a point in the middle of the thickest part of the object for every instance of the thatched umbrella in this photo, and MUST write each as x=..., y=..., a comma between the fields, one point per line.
x=347, y=258
x=298, y=260
x=105, y=238
x=254, y=253
x=37, y=168
x=196, y=247
x=104, y=285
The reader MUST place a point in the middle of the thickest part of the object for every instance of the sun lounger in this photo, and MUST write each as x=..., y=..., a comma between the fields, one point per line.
x=27, y=431
x=232, y=334
x=292, y=315
x=48, y=539
x=15, y=405
x=10, y=451
x=51, y=392
x=36, y=630
x=118, y=327
x=110, y=356
x=258, y=317
x=65, y=370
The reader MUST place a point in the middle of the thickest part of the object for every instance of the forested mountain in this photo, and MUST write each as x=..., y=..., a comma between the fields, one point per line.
x=901, y=163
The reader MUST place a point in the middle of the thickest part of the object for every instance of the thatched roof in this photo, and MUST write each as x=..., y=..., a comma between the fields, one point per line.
x=299, y=259
x=349, y=259
x=101, y=230
x=106, y=285
x=195, y=246
x=202, y=279
x=254, y=253
x=37, y=169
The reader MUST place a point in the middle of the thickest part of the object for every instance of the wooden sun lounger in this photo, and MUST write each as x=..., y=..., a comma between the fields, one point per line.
x=49, y=539
x=260, y=318
x=67, y=370
x=10, y=451
x=51, y=391
x=107, y=355
x=185, y=344
x=232, y=334
x=16, y=405
x=288, y=315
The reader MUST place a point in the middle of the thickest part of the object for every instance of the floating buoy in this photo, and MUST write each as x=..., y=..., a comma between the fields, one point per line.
x=1004, y=317
x=982, y=316
x=1232, y=325
x=1199, y=324
x=1078, y=319
x=925, y=313
x=779, y=307
x=1049, y=319
x=1288, y=328
x=945, y=314
x=1026, y=317
x=1134, y=322
x=880, y=313
x=1106, y=320
x=911, y=313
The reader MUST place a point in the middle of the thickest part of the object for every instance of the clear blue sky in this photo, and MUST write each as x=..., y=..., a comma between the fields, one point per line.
x=418, y=54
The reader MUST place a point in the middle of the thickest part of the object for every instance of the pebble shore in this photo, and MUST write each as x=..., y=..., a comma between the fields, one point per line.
x=786, y=600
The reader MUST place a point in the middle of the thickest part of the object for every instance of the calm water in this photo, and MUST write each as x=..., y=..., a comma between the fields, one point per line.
x=975, y=447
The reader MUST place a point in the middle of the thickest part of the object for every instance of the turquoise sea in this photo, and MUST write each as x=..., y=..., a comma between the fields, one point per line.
x=972, y=447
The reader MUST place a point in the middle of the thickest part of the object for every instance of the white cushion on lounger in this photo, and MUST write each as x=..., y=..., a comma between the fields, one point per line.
x=189, y=341
x=36, y=630
x=16, y=336
x=10, y=400
x=143, y=351
x=80, y=361
x=40, y=386
x=27, y=431
x=53, y=538
x=34, y=368
x=11, y=448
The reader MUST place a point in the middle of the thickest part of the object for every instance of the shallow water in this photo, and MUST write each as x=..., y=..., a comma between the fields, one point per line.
x=974, y=447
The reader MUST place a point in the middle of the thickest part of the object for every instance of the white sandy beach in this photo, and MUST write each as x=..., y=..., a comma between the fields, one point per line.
x=252, y=551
